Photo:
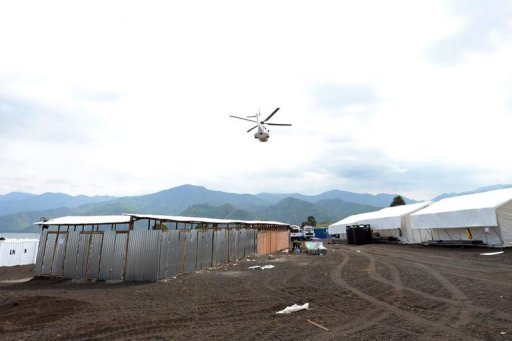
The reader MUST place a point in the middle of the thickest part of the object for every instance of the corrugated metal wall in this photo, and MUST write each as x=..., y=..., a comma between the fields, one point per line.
x=272, y=241
x=139, y=255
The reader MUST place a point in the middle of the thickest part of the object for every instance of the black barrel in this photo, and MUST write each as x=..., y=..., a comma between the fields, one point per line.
x=362, y=234
x=350, y=234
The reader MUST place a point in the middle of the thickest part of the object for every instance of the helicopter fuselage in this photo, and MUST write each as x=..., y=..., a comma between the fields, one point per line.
x=262, y=134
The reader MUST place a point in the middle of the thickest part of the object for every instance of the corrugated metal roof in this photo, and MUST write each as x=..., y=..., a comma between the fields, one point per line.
x=182, y=219
x=87, y=220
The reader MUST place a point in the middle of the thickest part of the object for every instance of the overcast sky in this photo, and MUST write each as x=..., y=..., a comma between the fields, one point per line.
x=127, y=98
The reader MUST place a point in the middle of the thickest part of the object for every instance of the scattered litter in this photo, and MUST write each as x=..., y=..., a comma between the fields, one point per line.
x=316, y=324
x=358, y=251
x=491, y=253
x=294, y=308
x=503, y=333
x=262, y=267
x=251, y=260
x=270, y=257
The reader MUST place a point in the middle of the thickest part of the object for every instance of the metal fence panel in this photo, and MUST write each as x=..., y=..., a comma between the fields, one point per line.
x=183, y=242
x=71, y=254
x=40, y=253
x=207, y=253
x=199, y=249
x=93, y=262
x=173, y=253
x=191, y=253
x=83, y=255
x=48, y=254
x=233, y=245
x=143, y=252
x=241, y=244
x=221, y=250
x=119, y=256
x=107, y=254
x=164, y=251
x=226, y=251
x=60, y=252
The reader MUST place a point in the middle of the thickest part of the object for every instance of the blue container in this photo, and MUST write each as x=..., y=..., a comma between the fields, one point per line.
x=321, y=233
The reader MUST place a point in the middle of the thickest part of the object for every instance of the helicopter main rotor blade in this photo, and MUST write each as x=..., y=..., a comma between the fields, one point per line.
x=251, y=129
x=279, y=124
x=269, y=116
x=243, y=118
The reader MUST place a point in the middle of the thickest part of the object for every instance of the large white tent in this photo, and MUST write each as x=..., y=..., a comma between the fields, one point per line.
x=387, y=222
x=483, y=216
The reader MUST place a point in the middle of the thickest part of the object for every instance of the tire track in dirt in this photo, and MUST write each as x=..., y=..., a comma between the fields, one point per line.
x=294, y=288
x=439, y=261
x=454, y=312
x=397, y=296
x=458, y=299
x=446, y=330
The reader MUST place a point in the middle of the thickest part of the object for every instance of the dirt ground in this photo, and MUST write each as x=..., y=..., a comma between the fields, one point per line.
x=366, y=292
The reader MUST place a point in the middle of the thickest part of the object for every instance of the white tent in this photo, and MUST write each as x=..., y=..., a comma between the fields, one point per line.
x=339, y=227
x=483, y=216
x=387, y=222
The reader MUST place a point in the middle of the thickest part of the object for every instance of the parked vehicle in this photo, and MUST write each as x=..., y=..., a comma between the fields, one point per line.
x=296, y=232
x=309, y=232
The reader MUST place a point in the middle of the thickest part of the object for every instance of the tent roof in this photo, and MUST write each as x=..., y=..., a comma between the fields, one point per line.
x=386, y=218
x=391, y=217
x=472, y=210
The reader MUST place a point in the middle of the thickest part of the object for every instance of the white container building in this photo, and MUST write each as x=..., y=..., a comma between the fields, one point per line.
x=18, y=251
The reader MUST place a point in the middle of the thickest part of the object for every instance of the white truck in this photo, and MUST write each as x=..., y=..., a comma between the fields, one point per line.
x=309, y=232
x=296, y=232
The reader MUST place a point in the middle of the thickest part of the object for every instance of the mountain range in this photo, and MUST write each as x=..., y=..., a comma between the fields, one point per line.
x=18, y=210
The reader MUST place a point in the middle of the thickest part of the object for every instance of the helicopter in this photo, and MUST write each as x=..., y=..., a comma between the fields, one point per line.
x=263, y=133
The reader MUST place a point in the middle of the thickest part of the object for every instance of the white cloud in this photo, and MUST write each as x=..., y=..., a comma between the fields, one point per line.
x=126, y=98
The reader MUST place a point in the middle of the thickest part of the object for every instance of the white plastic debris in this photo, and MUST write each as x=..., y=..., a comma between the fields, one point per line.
x=294, y=308
x=491, y=253
x=262, y=267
